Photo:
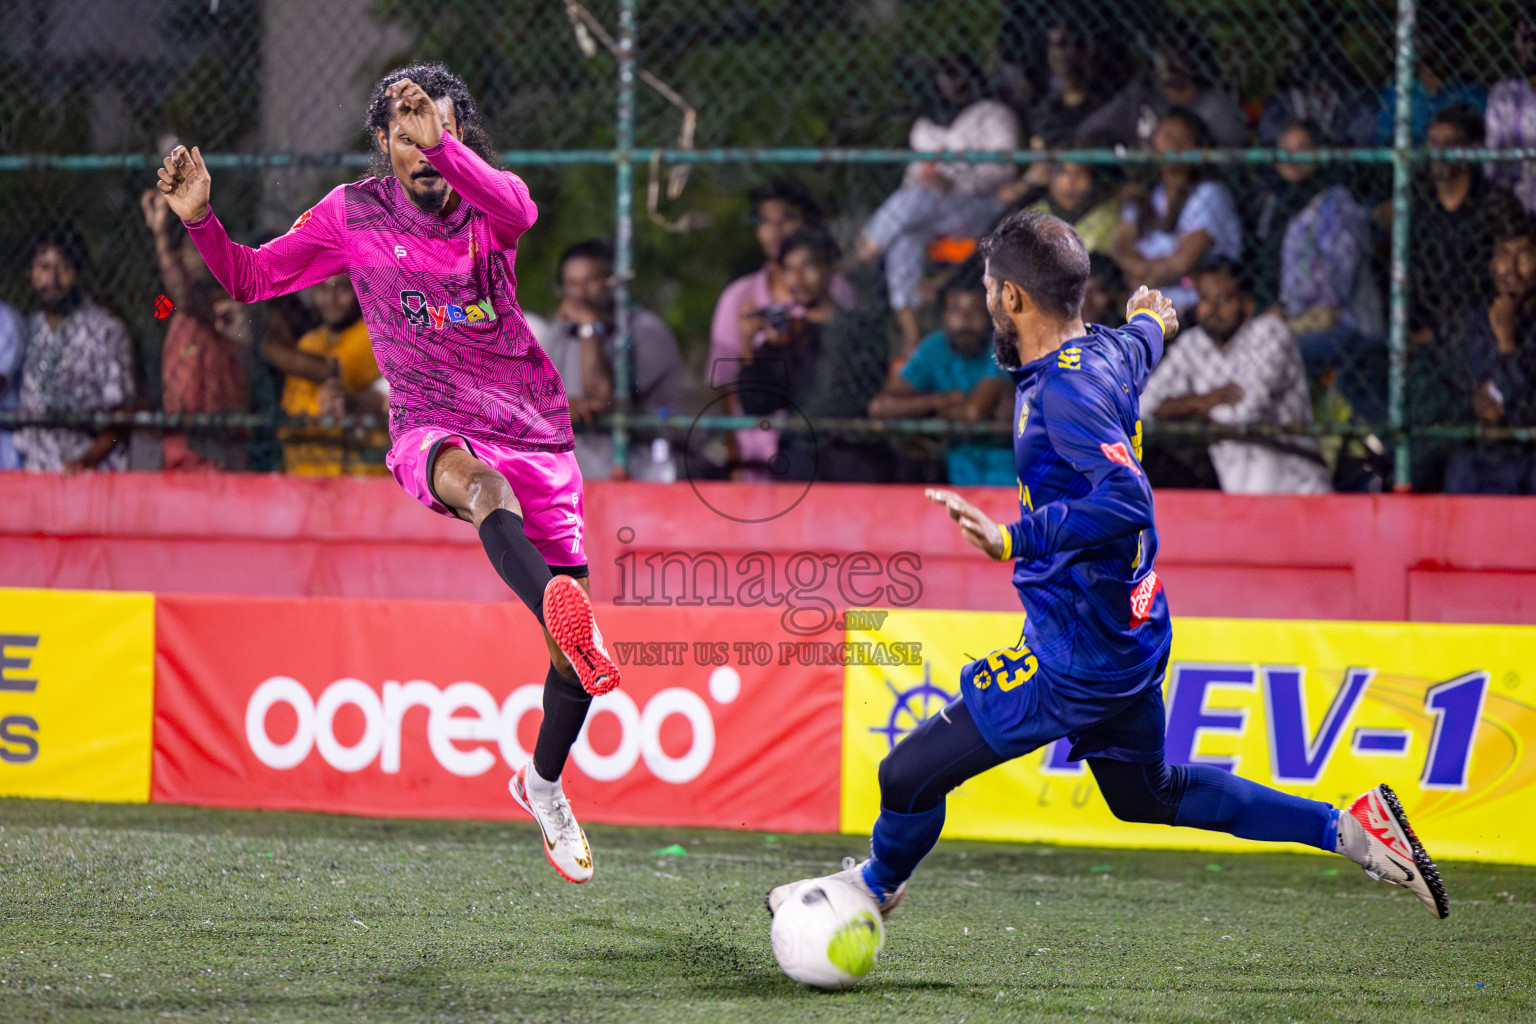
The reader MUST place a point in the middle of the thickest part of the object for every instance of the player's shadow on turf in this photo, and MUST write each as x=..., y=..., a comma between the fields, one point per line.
x=704, y=963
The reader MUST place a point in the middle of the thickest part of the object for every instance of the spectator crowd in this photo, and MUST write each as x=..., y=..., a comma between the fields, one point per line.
x=1279, y=275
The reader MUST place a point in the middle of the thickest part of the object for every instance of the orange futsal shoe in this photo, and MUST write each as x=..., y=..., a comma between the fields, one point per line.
x=569, y=619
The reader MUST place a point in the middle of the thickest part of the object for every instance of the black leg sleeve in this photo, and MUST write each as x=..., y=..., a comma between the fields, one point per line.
x=941, y=753
x=565, y=708
x=1135, y=791
x=515, y=558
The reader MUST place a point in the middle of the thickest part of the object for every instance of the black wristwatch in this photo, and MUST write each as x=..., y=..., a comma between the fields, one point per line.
x=595, y=329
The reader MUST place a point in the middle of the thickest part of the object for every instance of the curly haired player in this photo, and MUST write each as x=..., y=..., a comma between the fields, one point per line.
x=1090, y=663
x=480, y=425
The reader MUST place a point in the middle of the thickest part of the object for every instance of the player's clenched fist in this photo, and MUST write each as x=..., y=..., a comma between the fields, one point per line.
x=1158, y=305
x=185, y=183
x=420, y=120
x=974, y=523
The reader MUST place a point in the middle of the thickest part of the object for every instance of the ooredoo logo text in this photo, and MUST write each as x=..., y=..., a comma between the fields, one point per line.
x=467, y=728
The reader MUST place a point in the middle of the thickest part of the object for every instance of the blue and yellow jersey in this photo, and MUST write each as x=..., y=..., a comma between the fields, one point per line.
x=1085, y=542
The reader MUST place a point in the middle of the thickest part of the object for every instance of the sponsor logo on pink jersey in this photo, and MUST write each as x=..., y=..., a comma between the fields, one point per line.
x=417, y=311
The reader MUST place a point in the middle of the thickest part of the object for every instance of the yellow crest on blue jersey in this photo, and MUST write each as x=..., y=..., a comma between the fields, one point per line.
x=1070, y=359
x=1136, y=441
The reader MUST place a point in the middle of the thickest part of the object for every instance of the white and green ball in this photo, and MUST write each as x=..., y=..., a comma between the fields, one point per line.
x=827, y=934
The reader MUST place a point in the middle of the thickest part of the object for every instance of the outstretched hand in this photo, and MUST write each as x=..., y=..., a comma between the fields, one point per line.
x=1158, y=305
x=185, y=183
x=418, y=116
x=975, y=525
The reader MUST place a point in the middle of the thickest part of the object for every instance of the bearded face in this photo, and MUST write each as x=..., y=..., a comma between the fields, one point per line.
x=1005, y=336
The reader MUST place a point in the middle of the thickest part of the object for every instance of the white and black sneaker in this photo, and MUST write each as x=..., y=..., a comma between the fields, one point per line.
x=565, y=844
x=853, y=874
x=1374, y=833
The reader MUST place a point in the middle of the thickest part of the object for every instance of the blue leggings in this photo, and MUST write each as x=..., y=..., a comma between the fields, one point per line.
x=947, y=749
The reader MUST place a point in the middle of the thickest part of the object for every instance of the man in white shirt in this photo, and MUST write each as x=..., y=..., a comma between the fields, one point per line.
x=1236, y=368
x=935, y=200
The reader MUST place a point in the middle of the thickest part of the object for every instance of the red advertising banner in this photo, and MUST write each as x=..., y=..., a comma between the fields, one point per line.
x=1362, y=557
x=424, y=708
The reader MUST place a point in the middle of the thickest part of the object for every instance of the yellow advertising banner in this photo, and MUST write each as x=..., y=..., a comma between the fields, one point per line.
x=76, y=694
x=1444, y=714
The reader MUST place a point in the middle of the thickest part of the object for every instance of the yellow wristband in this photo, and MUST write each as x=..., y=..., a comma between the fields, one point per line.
x=1160, y=325
x=1007, y=543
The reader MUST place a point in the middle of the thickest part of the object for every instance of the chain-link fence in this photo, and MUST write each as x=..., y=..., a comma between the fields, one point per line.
x=1310, y=179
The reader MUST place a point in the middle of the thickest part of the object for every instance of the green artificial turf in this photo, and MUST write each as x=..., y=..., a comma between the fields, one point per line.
x=118, y=913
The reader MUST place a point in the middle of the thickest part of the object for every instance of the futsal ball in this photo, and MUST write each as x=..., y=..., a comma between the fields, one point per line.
x=827, y=934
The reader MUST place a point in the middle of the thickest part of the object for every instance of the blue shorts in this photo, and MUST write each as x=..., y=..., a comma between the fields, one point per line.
x=1018, y=706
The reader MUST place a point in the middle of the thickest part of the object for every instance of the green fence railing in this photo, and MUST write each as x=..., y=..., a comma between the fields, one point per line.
x=831, y=87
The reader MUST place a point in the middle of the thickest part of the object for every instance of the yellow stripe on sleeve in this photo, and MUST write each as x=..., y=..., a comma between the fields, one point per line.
x=1160, y=325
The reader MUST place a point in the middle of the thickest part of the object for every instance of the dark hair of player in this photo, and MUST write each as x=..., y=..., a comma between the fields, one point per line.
x=437, y=82
x=66, y=238
x=1042, y=255
x=1464, y=119
x=596, y=249
x=821, y=244
x=790, y=191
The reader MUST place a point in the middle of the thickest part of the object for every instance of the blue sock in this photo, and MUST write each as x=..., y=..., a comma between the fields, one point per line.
x=1331, y=833
x=899, y=842
x=1223, y=802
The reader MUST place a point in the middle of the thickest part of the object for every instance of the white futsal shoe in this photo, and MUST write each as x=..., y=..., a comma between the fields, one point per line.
x=1374, y=833
x=853, y=874
x=565, y=844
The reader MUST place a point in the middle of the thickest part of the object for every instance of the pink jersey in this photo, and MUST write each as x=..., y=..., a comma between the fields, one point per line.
x=438, y=294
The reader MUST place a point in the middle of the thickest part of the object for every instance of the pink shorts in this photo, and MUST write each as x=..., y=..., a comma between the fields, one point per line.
x=546, y=484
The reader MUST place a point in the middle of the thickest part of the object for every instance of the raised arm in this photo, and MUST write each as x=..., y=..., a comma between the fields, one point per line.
x=1085, y=431
x=1150, y=321
x=501, y=195
x=309, y=253
x=1083, y=428
x=173, y=273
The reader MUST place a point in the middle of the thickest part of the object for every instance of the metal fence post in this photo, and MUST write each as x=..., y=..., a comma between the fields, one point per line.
x=1402, y=171
x=623, y=231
